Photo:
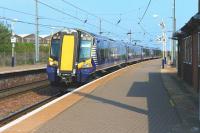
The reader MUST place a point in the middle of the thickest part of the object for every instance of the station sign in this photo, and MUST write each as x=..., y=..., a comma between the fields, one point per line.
x=13, y=39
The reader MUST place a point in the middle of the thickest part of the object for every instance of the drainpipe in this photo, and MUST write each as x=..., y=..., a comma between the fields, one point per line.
x=199, y=7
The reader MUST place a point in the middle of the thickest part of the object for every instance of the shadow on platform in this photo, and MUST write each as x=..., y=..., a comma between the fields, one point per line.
x=162, y=117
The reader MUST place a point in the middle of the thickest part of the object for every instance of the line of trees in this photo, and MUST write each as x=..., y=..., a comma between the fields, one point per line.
x=6, y=46
x=5, y=34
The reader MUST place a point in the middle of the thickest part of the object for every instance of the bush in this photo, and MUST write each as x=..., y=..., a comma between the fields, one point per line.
x=5, y=35
x=24, y=54
x=22, y=47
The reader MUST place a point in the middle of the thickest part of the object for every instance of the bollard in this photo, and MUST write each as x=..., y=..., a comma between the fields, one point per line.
x=163, y=63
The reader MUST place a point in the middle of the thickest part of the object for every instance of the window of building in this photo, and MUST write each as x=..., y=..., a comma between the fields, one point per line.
x=187, y=50
x=184, y=51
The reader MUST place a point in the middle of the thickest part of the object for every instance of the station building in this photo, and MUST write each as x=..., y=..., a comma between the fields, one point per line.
x=189, y=51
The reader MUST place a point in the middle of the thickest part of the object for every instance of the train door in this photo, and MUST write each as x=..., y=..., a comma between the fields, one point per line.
x=68, y=54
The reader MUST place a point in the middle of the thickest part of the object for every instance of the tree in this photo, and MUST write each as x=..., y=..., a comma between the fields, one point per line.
x=5, y=34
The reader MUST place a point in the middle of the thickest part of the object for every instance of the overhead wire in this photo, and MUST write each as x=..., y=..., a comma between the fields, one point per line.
x=91, y=14
x=145, y=12
x=31, y=23
x=5, y=8
x=52, y=19
x=39, y=17
x=67, y=14
x=33, y=15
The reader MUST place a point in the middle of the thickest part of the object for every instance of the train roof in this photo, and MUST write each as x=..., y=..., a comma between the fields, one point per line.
x=70, y=30
x=96, y=35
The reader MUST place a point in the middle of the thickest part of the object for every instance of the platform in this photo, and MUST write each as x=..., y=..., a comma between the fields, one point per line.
x=4, y=70
x=131, y=100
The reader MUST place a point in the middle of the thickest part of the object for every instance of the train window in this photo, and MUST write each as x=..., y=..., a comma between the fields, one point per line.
x=55, y=49
x=85, y=50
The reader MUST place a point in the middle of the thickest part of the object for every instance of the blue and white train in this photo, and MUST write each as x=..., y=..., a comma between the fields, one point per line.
x=76, y=54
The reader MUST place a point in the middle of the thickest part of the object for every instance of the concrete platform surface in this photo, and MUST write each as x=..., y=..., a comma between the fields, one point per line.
x=185, y=100
x=4, y=70
x=134, y=101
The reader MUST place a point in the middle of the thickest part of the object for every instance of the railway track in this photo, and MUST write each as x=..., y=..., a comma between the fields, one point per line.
x=23, y=88
x=30, y=108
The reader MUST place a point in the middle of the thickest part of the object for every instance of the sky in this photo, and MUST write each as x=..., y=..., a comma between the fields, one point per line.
x=108, y=11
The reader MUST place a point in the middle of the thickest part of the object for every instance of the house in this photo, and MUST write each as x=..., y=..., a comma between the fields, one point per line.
x=30, y=38
x=45, y=39
x=18, y=38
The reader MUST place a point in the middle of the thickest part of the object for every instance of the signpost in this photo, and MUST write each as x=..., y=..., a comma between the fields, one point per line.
x=13, y=41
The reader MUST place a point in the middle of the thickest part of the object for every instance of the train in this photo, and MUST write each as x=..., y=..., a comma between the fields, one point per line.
x=76, y=55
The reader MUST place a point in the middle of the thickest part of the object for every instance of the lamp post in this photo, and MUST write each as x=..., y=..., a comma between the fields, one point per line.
x=163, y=39
x=13, y=41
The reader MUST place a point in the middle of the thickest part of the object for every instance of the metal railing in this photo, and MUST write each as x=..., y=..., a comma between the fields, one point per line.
x=21, y=58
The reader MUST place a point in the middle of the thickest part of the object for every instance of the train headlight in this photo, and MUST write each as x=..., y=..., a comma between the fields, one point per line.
x=58, y=71
x=51, y=63
x=85, y=65
x=74, y=71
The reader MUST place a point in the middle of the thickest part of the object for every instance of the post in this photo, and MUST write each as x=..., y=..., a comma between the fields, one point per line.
x=100, y=32
x=163, y=49
x=130, y=36
x=165, y=42
x=36, y=33
x=13, y=55
x=173, y=47
x=13, y=41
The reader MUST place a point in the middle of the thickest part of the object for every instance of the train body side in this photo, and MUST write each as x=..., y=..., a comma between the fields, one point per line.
x=109, y=53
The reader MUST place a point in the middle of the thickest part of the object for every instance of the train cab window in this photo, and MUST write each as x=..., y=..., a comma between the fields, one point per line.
x=85, y=50
x=55, y=49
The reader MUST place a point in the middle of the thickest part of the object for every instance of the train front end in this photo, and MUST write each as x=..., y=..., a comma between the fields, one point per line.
x=62, y=59
x=70, y=57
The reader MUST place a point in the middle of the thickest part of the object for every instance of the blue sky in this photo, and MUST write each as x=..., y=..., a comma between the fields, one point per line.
x=129, y=11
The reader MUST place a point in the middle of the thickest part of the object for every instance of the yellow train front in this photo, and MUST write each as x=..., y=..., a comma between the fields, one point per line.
x=70, y=57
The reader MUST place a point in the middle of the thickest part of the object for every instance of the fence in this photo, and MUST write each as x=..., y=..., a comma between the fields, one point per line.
x=21, y=58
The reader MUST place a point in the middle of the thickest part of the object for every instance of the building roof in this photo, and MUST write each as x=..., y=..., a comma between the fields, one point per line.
x=192, y=24
x=23, y=35
x=44, y=36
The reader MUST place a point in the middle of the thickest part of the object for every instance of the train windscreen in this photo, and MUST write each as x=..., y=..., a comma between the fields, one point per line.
x=85, y=50
x=55, y=49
